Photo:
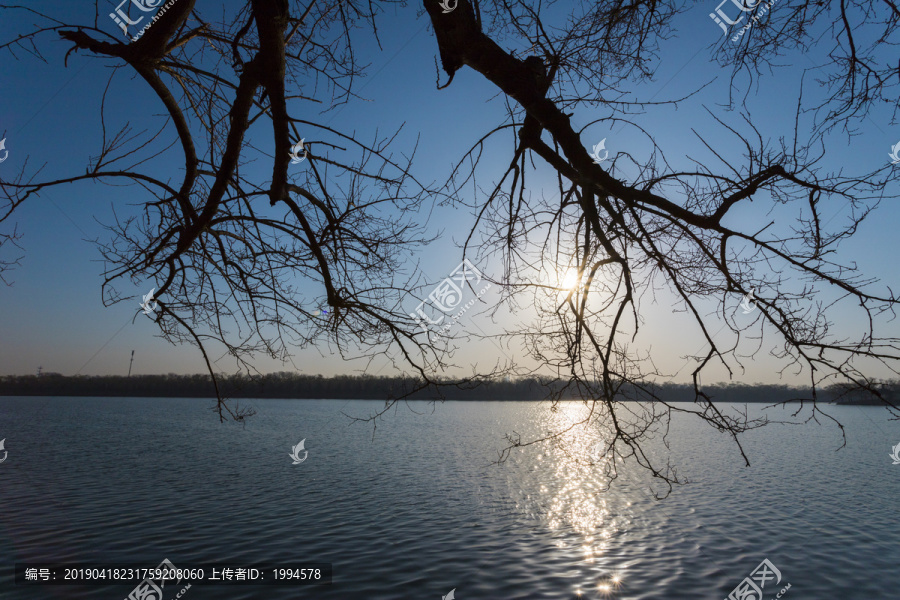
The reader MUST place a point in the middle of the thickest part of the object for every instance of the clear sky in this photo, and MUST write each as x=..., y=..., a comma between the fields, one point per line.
x=53, y=317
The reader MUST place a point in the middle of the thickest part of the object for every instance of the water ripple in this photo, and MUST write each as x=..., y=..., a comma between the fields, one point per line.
x=421, y=508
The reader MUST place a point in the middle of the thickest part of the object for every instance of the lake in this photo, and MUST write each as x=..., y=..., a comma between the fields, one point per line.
x=421, y=509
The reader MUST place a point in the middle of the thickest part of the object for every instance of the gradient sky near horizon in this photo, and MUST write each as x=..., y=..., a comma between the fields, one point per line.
x=53, y=317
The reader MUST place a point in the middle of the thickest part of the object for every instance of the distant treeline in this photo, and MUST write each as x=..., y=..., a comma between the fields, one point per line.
x=367, y=387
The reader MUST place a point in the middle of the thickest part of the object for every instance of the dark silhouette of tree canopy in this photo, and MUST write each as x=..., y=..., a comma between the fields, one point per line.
x=227, y=247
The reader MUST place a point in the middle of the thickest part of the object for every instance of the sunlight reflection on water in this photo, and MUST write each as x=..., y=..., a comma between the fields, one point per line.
x=575, y=494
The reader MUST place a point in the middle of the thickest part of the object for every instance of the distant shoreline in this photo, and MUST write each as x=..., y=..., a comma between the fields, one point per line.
x=435, y=399
x=294, y=386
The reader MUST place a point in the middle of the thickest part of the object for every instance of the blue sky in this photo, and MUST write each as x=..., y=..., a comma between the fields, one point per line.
x=53, y=316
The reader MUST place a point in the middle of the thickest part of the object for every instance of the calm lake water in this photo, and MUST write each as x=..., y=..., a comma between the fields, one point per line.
x=420, y=510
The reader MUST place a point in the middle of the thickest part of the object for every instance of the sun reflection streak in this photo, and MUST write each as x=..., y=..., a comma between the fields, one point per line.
x=574, y=497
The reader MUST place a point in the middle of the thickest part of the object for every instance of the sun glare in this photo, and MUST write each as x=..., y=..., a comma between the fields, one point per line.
x=569, y=280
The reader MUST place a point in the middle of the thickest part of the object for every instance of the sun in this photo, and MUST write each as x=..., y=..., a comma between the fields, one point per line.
x=570, y=280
